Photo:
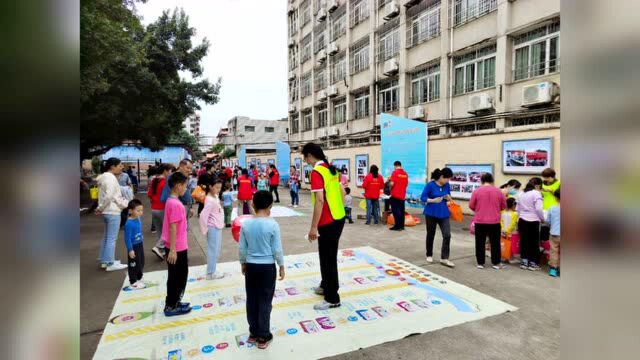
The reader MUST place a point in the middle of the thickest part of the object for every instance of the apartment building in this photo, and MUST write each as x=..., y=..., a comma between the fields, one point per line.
x=467, y=67
x=192, y=125
x=257, y=136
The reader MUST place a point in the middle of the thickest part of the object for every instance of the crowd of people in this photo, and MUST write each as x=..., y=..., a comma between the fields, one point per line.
x=532, y=214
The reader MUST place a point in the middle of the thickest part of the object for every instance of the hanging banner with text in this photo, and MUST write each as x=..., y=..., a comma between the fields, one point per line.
x=405, y=140
x=242, y=157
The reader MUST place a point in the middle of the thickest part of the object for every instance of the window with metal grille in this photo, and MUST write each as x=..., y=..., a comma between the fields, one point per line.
x=360, y=141
x=425, y=85
x=293, y=23
x=339, y=111
x=306, y=48
x=388, y=96
x=456, y=129
x=317, y=5
x=305, y=84
x=424, y=24
x=360, y=55
x=359, y=12
x=338, y=68
x=338, y=143
x=305, y=11
x=533, y=120
x=307, y=120
x=389, y=45
x=293, y=57
x=474, y=70
x=537, y=52
x=338, y=23
x=382, y=3
x=361, y=105
x=294, y=124
x=293, y=90
x=463, y=11
x=320, y=78
x=319, y=41
x=248, y=128
x=433, y=131
x=269, y=129
x=322, y=115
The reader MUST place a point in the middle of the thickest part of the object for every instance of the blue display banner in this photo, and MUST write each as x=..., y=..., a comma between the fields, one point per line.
x=405, y=140
x=242, y=157
x=283, y=160
x=128, y=153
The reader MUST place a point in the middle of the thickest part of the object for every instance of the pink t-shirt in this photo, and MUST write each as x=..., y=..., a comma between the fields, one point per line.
x=487, y=202
x=174, y=212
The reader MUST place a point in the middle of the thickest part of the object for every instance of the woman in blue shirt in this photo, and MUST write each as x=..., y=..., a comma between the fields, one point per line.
x=436, y=212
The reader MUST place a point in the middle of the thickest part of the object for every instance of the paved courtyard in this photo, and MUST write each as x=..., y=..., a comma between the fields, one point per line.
x=530, y=332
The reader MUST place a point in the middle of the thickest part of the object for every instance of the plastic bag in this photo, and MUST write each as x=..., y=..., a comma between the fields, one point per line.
x=456, y=212
x=515, y=244
x=505, y=246
x=198, y=194
x=363, y=205
x=93, y=193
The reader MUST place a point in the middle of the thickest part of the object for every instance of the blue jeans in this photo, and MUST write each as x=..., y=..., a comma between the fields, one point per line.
x=295, y=198
x=214, y=243
x=373, y=207
x=111, y=229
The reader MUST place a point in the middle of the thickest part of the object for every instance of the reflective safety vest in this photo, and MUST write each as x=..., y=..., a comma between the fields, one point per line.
x=332, y=190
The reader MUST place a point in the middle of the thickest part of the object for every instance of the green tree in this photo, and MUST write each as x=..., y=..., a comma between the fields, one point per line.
x=190, y=141
x=228, y=153
x=132, y=88
x=217, y=148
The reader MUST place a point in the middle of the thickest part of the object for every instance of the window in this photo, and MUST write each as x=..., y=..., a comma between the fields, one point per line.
x=361, y=108
x=424, y=25
x=293, y=23
x=433, y=131
x=339, y=111
x=425, y=85
x=319, y=41
x=338, y=27
x=320, y=79
x=388, y=96
x=360, y=55
x=249, y=128
x=305, y=11
x=305, y=85
x=293, y=57
x=322, y=115
x=475, y=70
x=294, y=124
x=317, y=5
x=537, y=52
x=359, y=11
x=389, y=45
x=306, y=48
x=307, y=120
x=467, y=10
x=269, y=129
x=456, y=129
x=293, y=90
x=382, y=3
x=338, y=69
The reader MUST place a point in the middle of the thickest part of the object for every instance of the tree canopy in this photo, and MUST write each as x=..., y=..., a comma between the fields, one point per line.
x=134, y=84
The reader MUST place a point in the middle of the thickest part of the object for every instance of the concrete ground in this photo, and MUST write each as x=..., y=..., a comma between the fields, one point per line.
x=531, y=332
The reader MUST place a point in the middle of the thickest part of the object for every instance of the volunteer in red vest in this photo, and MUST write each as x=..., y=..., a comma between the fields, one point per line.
x=274, y=181
x=245, y=192
x=373, y=183
x=327, y=197
x=398, y=181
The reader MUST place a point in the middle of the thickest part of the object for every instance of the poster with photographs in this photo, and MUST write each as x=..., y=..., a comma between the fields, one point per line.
x=253, y=161
x=298, y=164
x=343, y=167
x=307, y=174
x=362, y=168
x=466, y=178
x=271, y=162
x=529, y=156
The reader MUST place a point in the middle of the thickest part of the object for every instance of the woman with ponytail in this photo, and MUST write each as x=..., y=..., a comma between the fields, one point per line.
x=327, y=197
x=436, y=212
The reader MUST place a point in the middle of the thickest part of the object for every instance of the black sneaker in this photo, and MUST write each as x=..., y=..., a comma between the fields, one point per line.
x=176, y=311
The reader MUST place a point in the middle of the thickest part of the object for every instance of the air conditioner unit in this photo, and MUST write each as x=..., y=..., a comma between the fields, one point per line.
x=538, y=94
x=332, y=48
x=292, y=42
x=479, y=102
x=332, y=6
x=332, y=91
x=409, y=3
x=416, y=112
x=292, y=108
x=292, y=75
x=390, y=67
x=322, y=15
x=322, y=94
x=391, y=10
x=322, y=55
x=291, y=9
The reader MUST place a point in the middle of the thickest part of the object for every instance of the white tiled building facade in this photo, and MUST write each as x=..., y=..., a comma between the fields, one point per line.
x=466, y=67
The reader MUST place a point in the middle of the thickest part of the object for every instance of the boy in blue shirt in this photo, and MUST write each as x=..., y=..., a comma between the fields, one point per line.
x=134, y=240
x=260, y=247
x=554, y=241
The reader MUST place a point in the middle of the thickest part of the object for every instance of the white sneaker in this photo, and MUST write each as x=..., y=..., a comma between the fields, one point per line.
x=159, y=253
x=430, y=259
x=295, y=206
x=116, y=266
x=138, y=285
x=480, y=266
x=498, y=267
x=323, y=305
x=447, y=262
x=103, y=265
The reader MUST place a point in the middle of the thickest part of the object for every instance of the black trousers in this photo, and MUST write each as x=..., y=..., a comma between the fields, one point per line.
x=445, y=228
x=493, y=232
x=200, y=208
x=529, y=240
x=397, y=208
x=387, y=205
x=347, y=211
x=328, y=253
x=260, y=284
x=136, y=266
x=177, y=279
x=274, y=189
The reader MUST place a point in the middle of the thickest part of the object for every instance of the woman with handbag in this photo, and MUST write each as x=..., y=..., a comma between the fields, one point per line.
x=110, y=205
x=436, y=212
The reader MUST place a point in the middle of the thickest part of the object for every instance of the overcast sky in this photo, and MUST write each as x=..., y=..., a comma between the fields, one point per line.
x=248, y=50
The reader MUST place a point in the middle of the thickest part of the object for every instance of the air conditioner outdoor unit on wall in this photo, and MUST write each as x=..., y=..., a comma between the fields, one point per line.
x=322, y=94
x=322, y=15
x=391, y=10
x=332, y=6
x=390, y=67
x=292, y=75
x=332, y=48
x=291, y=9
x=292, y=108
x=292, y=42
x=409, y=3
x=538, y=94
x=479, y=102
x=416, y=112
x=321, y=56
x=332, y=91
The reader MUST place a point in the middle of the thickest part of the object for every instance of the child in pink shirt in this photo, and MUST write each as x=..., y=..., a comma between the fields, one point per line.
x=211, y=225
